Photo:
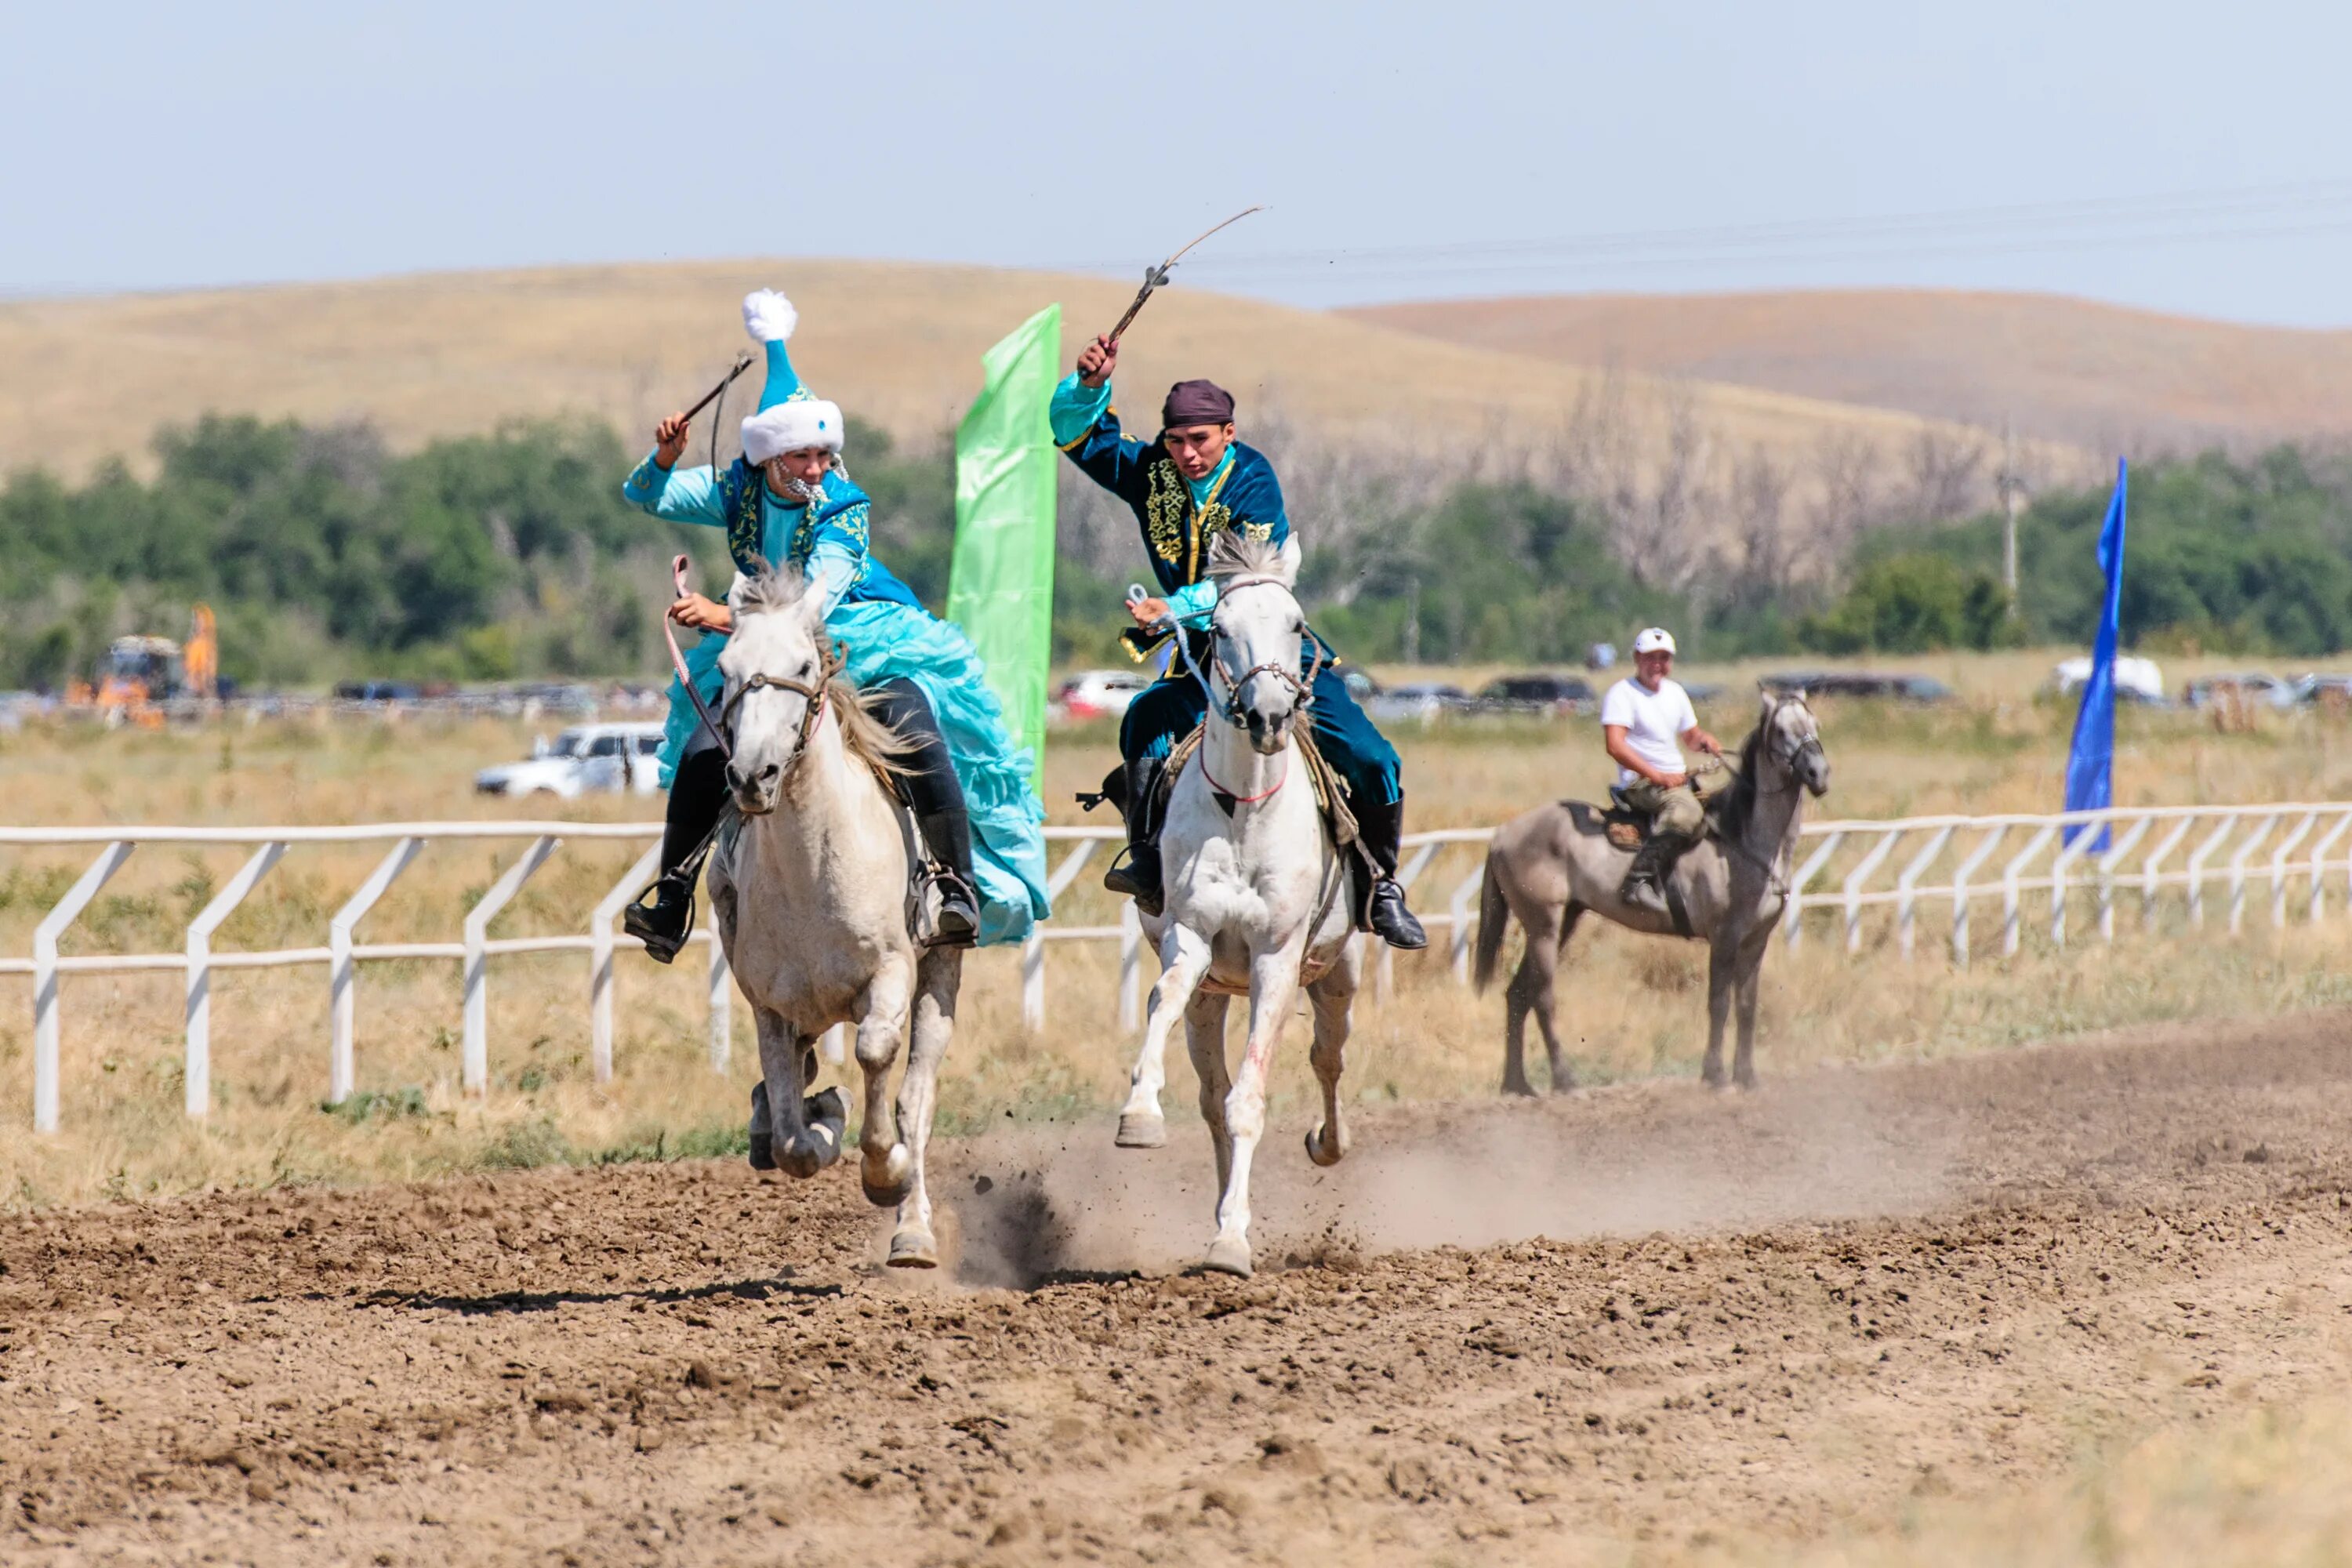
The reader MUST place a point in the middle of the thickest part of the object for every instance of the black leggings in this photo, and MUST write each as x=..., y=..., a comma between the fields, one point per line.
x=698, y=789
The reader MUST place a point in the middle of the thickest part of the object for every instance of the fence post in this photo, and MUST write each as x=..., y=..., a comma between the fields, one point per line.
x=1032, y=947
x=1131, y=965
x=2068, y=853
x=719, y=1001
x=2319, y=865
x=600, y=958
x=1909, y=880
x=2009, y=875
x=1968, y=868
x=2107, y=864
x=196, y=1078
x=1793, y=928
x=2238, y=870
x=1468, y=889
x=342, y=970
x=478, y=959
x=45, y=977
x=2278, y=866
x=2149, y=879
x=2213, y=841
x=1852, y=889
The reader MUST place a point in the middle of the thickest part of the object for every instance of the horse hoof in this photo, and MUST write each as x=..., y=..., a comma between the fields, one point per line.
x=762, y=1132
x=897, y=1176
x=1228, y=1256
x=913, y=1248
x=1522, y=1088
x=1745, y=1080
x=1136, y=1131
x=828, y=1110
x=1316, y=1148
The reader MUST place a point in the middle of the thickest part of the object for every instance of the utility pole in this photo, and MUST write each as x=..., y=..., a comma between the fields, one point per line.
x=2012, y=489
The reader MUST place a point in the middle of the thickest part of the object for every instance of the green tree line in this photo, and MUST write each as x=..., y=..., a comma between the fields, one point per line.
x=511, y=553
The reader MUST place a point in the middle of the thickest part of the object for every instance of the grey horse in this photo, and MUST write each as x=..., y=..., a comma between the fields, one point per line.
x=1549, y=866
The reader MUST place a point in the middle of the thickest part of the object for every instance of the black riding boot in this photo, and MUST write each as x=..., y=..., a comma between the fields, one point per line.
x=947, y=834
x=1380, y=826
x=697, y=794
x=1136, y=874
x=1645, y=879
x=931, y=788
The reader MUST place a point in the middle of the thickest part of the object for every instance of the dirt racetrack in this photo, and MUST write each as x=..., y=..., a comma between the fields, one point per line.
x=1767, y=1314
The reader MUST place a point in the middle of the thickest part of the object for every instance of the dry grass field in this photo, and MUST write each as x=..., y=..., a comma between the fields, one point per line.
x=2070, y=371
x=1940, y=1292
x=1635, y=1007
x=899, y=343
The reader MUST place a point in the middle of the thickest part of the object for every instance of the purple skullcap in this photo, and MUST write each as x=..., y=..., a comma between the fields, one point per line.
x=1196, y=403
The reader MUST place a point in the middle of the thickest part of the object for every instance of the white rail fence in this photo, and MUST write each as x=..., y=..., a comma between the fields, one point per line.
x=1842, y=872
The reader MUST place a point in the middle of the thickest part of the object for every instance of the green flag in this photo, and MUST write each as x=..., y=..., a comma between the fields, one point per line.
x=1001, y=585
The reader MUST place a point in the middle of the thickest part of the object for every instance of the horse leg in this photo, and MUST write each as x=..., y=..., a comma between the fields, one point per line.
x=1183, y=959
x=938, y=977
x=1205, y=1037
x=1273, y=983
x=1547, y=1005
x=1530, y=980
x=801, y=1135
x=1722, y=960
x=1750, y=984
x=1334, y=1000
x=884, y=1159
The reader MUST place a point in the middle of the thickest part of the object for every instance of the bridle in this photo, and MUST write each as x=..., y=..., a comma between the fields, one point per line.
x=814, y=692
x=1302, y=691
x=829, y=664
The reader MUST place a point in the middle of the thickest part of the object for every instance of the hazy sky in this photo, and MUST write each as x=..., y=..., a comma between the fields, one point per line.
x=1403, y=150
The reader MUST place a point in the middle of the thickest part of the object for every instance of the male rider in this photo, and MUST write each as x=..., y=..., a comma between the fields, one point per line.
x=1190, y=481
x=1644, y=721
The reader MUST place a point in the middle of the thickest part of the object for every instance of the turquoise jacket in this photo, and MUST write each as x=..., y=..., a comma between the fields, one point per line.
x=884, y=633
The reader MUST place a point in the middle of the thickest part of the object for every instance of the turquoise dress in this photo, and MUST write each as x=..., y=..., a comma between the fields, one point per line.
x=884, y=633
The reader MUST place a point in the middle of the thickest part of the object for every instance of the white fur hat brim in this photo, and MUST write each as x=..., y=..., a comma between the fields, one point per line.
x=793, y=426
x=768, y=316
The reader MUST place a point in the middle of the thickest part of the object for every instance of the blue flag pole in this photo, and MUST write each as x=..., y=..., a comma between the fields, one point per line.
x=2091, y=761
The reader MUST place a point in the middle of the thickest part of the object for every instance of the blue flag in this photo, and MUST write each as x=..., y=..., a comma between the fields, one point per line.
x=2091, y=762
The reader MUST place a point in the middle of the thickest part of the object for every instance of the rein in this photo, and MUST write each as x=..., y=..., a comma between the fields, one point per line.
x=816, y=693
x=1302, y=691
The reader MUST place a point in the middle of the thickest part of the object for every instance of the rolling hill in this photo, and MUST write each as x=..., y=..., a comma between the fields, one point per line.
x=420, y=356
x=2068, y=371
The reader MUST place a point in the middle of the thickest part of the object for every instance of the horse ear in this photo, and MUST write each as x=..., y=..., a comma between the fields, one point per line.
x=1287, y=563
x=735, y=591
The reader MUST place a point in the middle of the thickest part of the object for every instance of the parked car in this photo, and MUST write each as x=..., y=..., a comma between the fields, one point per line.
x=2136, y=679
x=2324, y=689
x=1860, y=683
x=584, y=758
x=1100, y=693
x=1538, y=693
x=2259, y=688
x=1421, y=701
x=377, y=692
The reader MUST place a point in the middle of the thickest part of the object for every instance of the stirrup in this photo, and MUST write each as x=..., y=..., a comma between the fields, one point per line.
x=933, y=926
x=1121, y=879
x=637, y=920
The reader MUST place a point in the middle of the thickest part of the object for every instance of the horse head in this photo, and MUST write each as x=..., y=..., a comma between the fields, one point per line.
x=1257, y=638
x=1788, y=734
x=776, y=665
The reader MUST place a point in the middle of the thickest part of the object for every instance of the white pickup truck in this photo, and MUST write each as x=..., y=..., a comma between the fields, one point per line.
x=584, y=758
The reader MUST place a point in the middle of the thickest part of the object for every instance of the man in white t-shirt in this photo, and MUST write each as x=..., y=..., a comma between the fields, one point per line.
x=1645, y=722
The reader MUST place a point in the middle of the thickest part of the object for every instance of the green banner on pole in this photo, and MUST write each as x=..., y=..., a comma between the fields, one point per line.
x=1001, y=582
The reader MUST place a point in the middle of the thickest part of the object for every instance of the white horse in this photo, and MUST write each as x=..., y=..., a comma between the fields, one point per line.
x=810, y=898
x=1259, y=898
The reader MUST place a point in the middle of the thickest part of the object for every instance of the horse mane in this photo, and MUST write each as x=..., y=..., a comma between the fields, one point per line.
x=1732, y=810
x=870, y=738
x=1234, y=553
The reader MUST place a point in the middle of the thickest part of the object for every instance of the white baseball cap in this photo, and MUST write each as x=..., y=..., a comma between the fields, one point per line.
x=1655, y=639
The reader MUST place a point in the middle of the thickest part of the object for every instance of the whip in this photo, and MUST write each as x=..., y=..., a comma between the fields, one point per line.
x=1154, y=276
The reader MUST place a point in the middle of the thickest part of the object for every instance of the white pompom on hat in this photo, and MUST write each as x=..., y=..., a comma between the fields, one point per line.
x=792, y=426
x=1656, y=639
x=768, y=316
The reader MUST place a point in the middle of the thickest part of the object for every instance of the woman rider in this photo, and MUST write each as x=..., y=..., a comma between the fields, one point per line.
x=789, y=500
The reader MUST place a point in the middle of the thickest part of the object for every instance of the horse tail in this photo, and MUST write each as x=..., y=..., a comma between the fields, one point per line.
x=1493, y=921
